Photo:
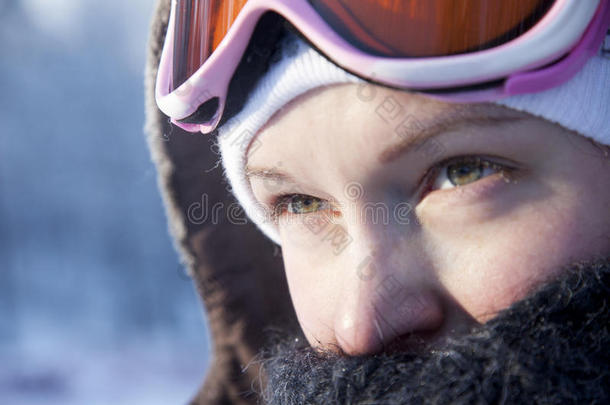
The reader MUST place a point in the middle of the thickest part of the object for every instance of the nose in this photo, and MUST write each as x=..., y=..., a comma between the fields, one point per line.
x=390, y=298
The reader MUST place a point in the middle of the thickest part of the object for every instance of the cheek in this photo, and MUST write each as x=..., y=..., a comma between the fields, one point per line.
x=313, y=289
x=486, y=262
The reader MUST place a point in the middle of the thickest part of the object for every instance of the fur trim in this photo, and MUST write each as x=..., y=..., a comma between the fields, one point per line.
x=551, y=348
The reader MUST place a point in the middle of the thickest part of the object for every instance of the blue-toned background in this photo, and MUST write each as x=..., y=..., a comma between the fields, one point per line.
x=94, y=306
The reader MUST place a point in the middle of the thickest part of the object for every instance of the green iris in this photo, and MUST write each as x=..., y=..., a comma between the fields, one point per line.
x=462, y=173
x=304, y=204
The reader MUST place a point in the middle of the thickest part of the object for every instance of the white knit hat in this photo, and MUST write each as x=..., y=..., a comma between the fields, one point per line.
x=582, y=104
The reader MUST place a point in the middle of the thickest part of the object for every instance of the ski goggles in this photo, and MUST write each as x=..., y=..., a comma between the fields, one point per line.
x=459, y=51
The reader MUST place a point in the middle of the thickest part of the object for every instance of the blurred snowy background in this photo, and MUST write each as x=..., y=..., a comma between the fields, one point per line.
x=94, y=307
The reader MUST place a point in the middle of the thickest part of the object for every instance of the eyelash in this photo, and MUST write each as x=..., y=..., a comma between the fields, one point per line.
x=426, y=182
x=279, y=203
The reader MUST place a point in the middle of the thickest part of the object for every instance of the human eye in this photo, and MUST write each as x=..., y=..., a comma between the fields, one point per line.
x=466, y=170
x=298, y=204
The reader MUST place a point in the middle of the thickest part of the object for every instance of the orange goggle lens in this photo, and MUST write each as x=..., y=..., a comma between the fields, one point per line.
x=416, y=28
x=391, y=28
x=200, y=26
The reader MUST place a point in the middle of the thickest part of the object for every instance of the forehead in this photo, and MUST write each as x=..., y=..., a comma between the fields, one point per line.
x=349, y=117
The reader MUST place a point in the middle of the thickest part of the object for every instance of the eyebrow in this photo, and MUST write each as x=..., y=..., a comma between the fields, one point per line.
x=425, y=130
x=270, y=174
x=420, y=132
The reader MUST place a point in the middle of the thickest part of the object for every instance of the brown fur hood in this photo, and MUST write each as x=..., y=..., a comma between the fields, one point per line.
x=229, y=260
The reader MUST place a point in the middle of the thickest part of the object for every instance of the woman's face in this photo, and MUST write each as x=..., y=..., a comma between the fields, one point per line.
x=403, y=217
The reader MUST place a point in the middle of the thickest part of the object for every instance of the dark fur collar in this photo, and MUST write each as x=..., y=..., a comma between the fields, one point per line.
x=551, y=348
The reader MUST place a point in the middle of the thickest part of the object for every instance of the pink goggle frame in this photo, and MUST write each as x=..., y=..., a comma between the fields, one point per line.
x=548, y=54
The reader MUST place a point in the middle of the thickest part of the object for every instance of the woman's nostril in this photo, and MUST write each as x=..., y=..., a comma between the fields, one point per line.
x=372, y=327
x=414, y=342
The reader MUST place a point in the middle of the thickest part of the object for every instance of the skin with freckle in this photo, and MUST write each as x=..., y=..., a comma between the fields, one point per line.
x=461, y=253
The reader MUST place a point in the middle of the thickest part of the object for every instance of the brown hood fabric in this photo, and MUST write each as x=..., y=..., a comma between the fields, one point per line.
x=231, y=263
